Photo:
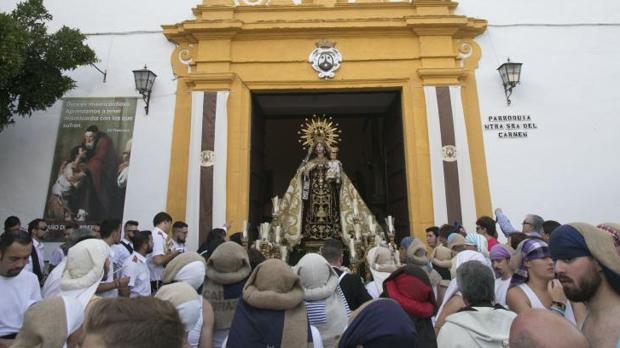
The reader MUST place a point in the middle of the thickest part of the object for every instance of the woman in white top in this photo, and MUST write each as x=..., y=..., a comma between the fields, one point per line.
x=533, y=284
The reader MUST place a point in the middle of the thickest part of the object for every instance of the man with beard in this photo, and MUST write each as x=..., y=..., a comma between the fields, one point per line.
x=19, y=288
x=135, y=267
x=179, y=235
x=589, y=269
x=101, y=164
x=500, y=259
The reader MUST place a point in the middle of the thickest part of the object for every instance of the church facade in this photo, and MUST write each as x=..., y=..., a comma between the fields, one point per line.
x=427, y=134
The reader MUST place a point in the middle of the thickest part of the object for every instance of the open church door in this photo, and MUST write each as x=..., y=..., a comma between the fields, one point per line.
x=395, y=170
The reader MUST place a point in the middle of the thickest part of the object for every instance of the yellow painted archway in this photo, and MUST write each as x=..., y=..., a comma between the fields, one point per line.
x=264, y=46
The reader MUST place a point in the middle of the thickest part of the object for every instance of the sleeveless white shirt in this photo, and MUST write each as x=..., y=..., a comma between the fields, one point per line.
x=536, y=304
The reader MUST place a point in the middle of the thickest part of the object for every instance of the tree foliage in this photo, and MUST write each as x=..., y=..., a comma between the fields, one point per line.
x=32, y=61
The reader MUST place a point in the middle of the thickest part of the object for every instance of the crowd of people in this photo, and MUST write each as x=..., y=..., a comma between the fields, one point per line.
x=549, y=285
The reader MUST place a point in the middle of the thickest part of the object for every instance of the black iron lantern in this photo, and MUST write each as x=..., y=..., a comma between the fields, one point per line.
x=511, y=76
x=145, y=79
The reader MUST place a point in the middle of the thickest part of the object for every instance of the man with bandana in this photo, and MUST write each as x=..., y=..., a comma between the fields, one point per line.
x=588, y=267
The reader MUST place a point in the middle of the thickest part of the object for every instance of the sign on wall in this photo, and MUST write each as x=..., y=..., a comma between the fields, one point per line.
x=510, y=126
x=91, y=162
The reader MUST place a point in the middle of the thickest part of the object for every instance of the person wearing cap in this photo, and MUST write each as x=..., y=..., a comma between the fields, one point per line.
x=87, y=263
x=477, y=242
x=402, y=249
x=456, y=243
x=379, y=323
x=18, y=288
x=187, y=302
x=381, y=263
x=51, y=288
x=500, y=259
x=533, y=284
x=135, y=267
x=190, y=268
x=588, y=268
x=416, y=255
x=411, y=288
x=325, y=303
x=481, y=323
x=452, y=301
x=227, y=270
x=50, y=323
x=613, y=229
x=272, y=311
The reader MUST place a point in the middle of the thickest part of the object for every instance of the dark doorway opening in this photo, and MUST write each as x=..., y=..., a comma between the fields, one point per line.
x=371, y=149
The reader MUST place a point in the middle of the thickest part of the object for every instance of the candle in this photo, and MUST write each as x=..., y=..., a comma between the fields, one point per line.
x=245, y=230
x=283, y=252
x=358, y=232
x=371, y=224
x=352, y=248
x=257, y=246
x=390, y=223
x=355, y=210
x=264, y=231
x=276, y=205
x=277, y=233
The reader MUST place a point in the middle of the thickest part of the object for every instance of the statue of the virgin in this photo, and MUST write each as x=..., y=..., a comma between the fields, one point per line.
x=321, y=202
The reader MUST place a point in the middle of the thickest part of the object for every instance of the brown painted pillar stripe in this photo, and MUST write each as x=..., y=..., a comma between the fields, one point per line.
x=206, y=173
x=450, y=169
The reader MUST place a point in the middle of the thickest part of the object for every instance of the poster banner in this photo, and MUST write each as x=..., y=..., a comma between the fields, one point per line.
x=91, y=162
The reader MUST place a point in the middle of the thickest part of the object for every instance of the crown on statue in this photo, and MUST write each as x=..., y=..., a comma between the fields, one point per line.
x=319, y=130
x=325, y=44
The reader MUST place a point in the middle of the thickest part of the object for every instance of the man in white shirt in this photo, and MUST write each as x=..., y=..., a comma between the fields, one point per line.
x=135, y=267
x=125, y=247
x=500, y=258
x=179, y=235
x=161, y=254
x=37, y=229
x=111, y=235
x=19, y=288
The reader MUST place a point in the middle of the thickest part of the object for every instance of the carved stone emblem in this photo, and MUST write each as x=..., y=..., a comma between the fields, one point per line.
x=325, y=59
x=448, y=153
x=207, y=158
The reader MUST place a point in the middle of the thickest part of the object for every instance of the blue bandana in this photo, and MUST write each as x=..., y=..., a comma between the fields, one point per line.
x=406, y=242
x=567, y=242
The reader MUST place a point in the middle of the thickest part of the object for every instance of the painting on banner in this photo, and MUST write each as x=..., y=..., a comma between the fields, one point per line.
x=91, y=162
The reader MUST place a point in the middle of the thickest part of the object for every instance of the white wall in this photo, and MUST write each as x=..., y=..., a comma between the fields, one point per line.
x=126, y=36
x=566, y=170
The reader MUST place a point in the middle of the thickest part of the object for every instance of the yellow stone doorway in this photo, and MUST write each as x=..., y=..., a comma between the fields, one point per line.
x=263, y=46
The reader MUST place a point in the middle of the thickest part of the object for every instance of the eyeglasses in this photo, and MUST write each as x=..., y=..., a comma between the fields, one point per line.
x=526, y=223
x=42, y=228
